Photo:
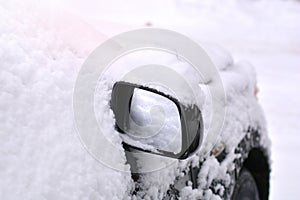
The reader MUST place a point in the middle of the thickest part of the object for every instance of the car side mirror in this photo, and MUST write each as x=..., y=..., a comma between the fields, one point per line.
x=153, y=118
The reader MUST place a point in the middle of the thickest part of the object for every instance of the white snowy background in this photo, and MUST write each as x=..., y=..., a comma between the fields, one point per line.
x=266, y=33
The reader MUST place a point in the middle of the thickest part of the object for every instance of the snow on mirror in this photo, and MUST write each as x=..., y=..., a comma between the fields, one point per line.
x=154, y=120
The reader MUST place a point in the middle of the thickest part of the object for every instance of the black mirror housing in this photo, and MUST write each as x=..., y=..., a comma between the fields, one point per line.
x=190, y=119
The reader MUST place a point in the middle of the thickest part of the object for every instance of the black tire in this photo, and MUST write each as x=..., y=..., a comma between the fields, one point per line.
x=245, y=187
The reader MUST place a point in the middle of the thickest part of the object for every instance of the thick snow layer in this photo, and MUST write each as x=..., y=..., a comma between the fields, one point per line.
x=44, y=44
x=41, y=157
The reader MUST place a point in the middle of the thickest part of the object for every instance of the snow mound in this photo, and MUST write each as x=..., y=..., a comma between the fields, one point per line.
x=41, y=157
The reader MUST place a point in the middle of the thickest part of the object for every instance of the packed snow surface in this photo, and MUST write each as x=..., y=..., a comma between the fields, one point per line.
x=43, y=46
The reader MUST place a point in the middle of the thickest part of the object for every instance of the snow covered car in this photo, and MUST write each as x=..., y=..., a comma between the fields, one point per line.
x=236, y=168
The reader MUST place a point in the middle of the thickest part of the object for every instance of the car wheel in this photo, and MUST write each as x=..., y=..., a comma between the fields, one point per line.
x=245, y=187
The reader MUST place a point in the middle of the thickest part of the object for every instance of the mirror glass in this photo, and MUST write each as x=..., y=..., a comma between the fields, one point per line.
x=154, y=120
